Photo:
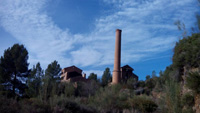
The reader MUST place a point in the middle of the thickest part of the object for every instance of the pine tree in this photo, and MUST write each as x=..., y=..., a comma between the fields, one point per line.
x=14, y=68
x=35, y=80
x=92, y=76
x=53, y=70
x=52, y=75
x=106, y=78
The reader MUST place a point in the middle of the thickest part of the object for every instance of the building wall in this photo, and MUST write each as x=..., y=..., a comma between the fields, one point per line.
x=126, y=73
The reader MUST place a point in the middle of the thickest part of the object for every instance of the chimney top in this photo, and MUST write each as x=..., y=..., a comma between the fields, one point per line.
x=119, y=30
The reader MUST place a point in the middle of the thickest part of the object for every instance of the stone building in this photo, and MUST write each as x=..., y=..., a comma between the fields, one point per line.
x=72, y=74
x=126, y=73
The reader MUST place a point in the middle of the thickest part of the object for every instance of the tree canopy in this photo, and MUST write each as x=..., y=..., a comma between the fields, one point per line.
x=53, y=70
x=52, y=75
x=106, y=78
x=92, y=76
x=187, y=52
x=14, y=67
x=34, y=82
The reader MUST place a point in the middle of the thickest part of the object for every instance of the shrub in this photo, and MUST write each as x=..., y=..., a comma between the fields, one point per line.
x=67, y=89
x=150, y=83
x=193, y=82
x=172, y=96
x=141, y=84
x=8, y=105
x=110, y=99
x=69, y=106
x=188, y=100
x=86, y=89
x=34, y=105
x=143, y=104
x=131, y=83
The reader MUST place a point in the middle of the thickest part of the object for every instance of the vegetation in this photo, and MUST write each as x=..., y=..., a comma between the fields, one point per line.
x=14, y=68
x=193, y=82
x=92, y=76
x=143, y=104
x=34, y=81
x=106, y=78
x=186, y=52
x=50, y=80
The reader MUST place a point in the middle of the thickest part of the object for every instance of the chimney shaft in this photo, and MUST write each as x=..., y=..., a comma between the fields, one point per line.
x=117, y=58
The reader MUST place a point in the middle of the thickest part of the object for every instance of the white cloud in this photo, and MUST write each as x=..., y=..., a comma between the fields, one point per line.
x=86, y=56
x=26, y=21
x=147, y=29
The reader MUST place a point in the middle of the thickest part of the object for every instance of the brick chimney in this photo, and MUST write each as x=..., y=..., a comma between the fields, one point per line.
x=117, y=58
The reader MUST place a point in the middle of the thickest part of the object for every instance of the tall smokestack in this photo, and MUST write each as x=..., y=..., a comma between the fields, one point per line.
x=117, y=58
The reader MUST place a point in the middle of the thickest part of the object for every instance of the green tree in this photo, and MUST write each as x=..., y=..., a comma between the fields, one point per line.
x=52, y=75
x=92, y=76
x=160, y=82
x=53, y=70
x=186, y=53
x=131, y=82
x=106, y=78
x=35, y=80
x=14, y=67
x=148, y=77
x=153, y=74
x=150, y=82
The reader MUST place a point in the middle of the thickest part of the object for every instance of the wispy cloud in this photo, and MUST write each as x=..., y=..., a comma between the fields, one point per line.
x=147, y=29
x=27, y=22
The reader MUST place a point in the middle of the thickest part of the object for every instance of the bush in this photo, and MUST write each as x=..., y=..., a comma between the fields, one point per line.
x=69, y=106
x=87, y=89
x=143, y=104
x=188, y=100
x=172, y=98
x=141, y=84
x=8, y=105
x=131, y=83
x=110, y=99
x=66, y=89
x=34, y=105
x=150, y=84
x=193, y=82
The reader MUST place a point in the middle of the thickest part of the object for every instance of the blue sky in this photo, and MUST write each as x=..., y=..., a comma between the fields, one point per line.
x=82, y=32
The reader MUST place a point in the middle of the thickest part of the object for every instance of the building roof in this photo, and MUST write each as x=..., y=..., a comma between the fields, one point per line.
x=127, y=67
x=71, y=68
